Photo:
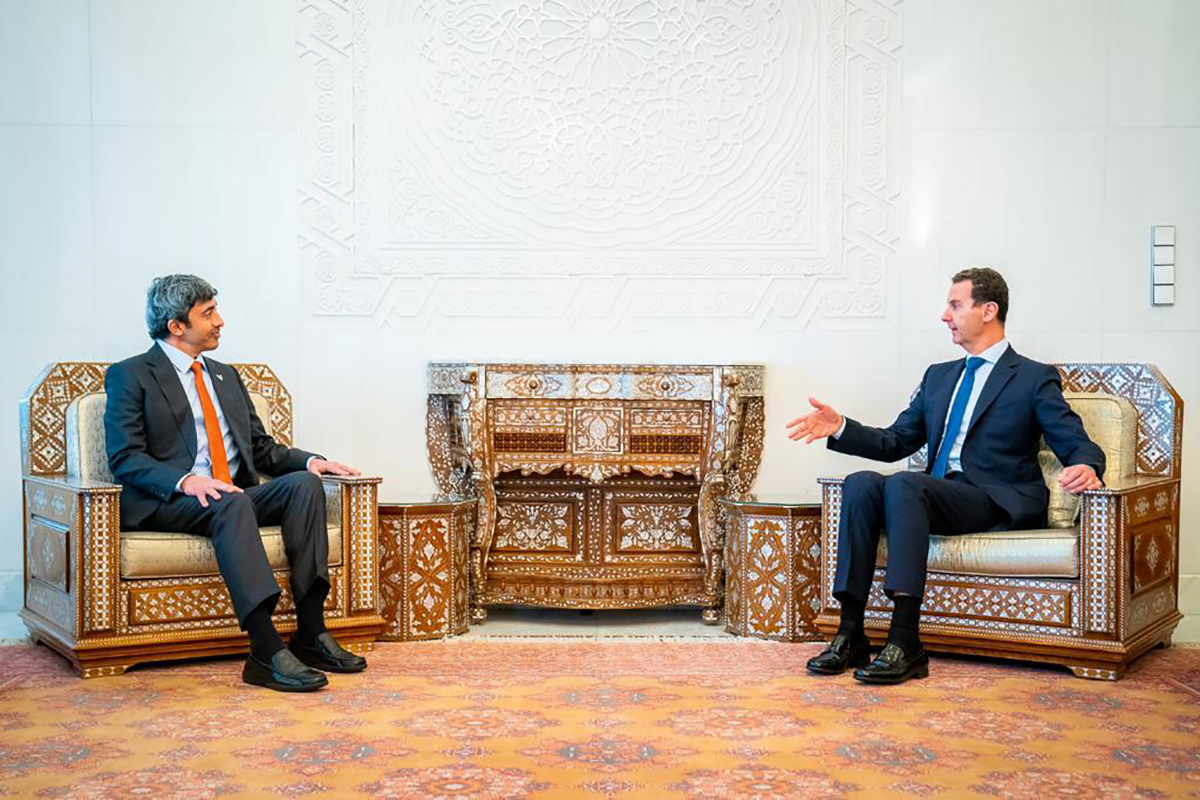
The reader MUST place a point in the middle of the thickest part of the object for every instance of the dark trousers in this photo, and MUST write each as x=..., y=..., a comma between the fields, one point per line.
x=295, y=502
x=910, y=507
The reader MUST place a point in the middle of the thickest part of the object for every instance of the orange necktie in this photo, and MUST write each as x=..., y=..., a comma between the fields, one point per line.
x=212, y=429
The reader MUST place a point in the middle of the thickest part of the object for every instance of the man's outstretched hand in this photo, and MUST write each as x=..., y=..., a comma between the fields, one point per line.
x=203, y=487
x=319, y=466
x=815, y=425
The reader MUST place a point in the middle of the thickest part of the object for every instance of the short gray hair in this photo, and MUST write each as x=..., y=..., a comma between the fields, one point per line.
x=171, y=297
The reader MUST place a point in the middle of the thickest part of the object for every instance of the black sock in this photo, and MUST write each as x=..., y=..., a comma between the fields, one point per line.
x=906, y=618
x=853, y=611
x=310, y=613
x=264, y=639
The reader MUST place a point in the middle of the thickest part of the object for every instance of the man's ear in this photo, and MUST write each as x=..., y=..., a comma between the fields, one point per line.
x=176, y=327
x=990, y=310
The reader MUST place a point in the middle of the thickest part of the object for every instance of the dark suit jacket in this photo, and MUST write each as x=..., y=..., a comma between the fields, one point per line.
x=150, y=434
x=1021, y=402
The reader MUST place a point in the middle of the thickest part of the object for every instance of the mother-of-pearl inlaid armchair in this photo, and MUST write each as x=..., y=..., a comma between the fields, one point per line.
x=108, y=599
x=1092, y=591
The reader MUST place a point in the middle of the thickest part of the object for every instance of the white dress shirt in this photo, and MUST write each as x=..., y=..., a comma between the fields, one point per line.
x=183, y=370
x=990, y=357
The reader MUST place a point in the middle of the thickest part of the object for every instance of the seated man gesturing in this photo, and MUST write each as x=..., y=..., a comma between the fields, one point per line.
x=185, y=444
x=982, y=418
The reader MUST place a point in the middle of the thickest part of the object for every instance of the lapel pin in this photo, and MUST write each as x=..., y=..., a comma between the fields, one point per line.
x=220, y=377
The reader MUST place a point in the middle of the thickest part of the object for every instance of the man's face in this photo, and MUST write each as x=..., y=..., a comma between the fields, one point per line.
x=963, y=317
x=203, y=331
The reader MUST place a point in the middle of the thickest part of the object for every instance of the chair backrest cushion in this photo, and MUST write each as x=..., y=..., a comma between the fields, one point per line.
x=86, y=453
x=1111, y=422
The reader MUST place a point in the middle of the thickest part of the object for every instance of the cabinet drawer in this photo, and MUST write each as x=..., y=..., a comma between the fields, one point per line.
x=525, y=427
x=656, y=430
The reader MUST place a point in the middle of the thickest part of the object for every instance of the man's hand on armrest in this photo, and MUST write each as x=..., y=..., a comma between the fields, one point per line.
x=202, y=487
x=823, y=422
x=319, y=466
x=1079, y=478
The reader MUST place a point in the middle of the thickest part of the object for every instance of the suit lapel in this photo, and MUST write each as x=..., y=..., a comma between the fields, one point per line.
x=1002, y=373
x=168, y=383
x=939, y=407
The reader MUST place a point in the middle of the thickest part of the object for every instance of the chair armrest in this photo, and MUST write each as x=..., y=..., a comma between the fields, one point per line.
x=353, y=503
x=72, y=550
x=1110, y=518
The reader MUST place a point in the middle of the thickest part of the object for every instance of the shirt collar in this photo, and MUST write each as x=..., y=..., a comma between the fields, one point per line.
x=179, y=359
x=993, y=353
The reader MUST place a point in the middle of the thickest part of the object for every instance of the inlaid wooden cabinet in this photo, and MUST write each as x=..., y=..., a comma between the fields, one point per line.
x=597, y=484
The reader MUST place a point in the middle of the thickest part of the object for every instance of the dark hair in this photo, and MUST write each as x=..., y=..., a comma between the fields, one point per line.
x=171, y=297
x=987, y=286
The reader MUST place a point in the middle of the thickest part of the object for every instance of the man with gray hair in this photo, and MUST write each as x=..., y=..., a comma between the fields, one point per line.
x=185, y=444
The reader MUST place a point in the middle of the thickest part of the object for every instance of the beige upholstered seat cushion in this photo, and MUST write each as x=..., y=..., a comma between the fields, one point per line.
x=1044, y=553
x=148, y=554
x=1111, y=422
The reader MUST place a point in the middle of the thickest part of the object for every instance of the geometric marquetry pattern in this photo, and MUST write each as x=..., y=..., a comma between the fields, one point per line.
x=99, y=578
x=772, y=571
x=261, y=380
x=363, y=507
x=423, y=569
x=1098, y=543
x=1160, y=412
x=43, y=413
x=43, y=409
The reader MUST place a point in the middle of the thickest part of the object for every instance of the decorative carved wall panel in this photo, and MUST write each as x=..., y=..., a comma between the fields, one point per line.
x=467, y=165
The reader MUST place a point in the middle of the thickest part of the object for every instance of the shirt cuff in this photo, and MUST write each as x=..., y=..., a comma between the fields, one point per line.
x=840, y=430
x=308, y=463
x=179, y=486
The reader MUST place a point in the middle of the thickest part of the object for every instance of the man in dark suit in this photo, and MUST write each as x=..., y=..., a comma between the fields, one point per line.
x=185, y=444
x=981, y=418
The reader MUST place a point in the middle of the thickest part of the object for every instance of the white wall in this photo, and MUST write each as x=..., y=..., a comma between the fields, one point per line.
x=139, y=137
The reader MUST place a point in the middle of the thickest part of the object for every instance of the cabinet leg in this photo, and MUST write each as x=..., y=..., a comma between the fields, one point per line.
x=478, y=615
x=711, y=616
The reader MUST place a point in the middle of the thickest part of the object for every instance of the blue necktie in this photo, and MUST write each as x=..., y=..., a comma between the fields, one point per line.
x=956, y=416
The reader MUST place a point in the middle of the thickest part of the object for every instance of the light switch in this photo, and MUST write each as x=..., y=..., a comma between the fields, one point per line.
x=1164, y=234
x=1164, y=254
x=1164, y=274
x=1164, y=295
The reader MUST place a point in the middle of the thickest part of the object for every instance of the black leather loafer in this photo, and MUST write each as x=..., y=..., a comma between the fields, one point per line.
x=840, y=653
x=285, y=673
x=892, y=666
x=327, y=655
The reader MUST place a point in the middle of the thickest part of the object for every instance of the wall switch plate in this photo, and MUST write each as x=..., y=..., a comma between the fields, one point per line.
x=1164, y=274
x=1164, y=254
x=1164, y=295
x=1164, y=234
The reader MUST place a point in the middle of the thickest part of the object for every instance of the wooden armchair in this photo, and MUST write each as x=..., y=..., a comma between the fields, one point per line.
x=1091, y=595
x=108, y=599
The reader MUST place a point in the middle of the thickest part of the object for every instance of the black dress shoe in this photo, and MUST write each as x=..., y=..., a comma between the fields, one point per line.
x=285, y=673
x=325, y=654
x=892, y=666
x=840, y=653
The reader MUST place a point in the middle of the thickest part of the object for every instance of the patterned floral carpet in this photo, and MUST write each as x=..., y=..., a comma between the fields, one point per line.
x=619, y=719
